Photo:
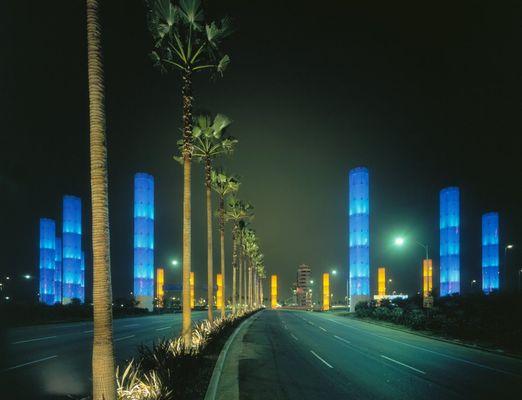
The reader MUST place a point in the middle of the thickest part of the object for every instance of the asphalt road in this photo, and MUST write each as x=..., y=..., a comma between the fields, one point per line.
x=54, y=361
x=305, y=355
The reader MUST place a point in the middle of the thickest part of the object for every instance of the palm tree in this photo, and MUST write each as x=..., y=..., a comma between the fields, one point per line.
x=237, y=212
x=251, y=249
x=209, y=143
x=223, y=185
x=184, y=42
x=103, y=372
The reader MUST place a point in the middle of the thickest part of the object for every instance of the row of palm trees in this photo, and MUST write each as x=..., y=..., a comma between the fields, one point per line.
x=185, y=42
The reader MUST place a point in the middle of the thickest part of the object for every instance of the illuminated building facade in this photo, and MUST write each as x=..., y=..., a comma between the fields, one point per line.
x=359, y=236
x=219, y=293
x=58, y=271
x=72, y=249
x=303, y=288
x=160, y=290
x=273, y=291
x=47, y=263
x=381, y=281
x=326, y=291
x=490, y=258
x=144, y=239
x=449, y=241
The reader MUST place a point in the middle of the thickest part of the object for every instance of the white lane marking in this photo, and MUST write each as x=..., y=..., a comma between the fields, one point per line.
x=321, y=359
x=404, y=365
x=341, y=339
x=431, y=351
x=30, y=362
x=34, y=340
x=123, y=338
x=130, y=325
x=91, y=331
x=161, y=329
x=295, y=337
x=323, y=329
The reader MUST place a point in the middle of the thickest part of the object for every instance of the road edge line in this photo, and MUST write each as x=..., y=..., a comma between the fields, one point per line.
x=218, y=368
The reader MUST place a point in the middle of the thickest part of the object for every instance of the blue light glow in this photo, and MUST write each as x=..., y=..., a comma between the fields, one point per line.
x=58, y=271
x=490, y=259
x=47, y=260
x=72, y=249
x=449, y=241
x=359, y=238
x=143, y=235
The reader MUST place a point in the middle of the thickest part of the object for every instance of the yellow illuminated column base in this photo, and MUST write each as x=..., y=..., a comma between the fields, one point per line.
x=192, y=291
x=273, y=292
x=326, y=291
x=219, y=293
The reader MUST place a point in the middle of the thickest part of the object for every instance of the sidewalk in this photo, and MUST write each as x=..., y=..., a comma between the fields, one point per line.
x=240, y=348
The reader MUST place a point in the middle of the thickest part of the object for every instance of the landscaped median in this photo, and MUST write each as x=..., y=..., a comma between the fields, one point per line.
x=489, y=321
x=169, y=371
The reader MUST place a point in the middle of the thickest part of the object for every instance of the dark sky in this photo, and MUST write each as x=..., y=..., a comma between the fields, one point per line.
x=424, y=94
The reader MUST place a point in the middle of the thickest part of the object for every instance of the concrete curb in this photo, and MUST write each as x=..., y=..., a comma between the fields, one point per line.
x=218, y=368
x=440, y=339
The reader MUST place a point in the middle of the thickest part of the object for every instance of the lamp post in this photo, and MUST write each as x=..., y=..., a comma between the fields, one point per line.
x=507, y=247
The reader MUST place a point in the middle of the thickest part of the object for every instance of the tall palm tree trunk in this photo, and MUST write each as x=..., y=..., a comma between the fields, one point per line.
x=222, y=248
x=240, y=277
x=210, y=266
x=103, y=370
x=234, y=268
x=250, y=285
x=187, y=153
x=245, y=278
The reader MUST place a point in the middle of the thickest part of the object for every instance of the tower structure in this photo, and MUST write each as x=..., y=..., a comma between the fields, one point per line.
x=449, y=241
x=303, y=289
x=47, y=264
x=490, y=258
x=359, y=235
x=144, y=239
x=381, y=281
x=326, y=291
x=58, y=271
x=72, y=249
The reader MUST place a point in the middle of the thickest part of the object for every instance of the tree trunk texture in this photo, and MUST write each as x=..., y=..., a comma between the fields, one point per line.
x=103, y=368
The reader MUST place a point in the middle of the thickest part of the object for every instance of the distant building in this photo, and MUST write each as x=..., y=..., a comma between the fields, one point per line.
x=304, y=290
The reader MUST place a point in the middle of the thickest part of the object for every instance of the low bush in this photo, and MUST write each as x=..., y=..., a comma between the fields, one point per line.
x=487, y=319
x=168, y=370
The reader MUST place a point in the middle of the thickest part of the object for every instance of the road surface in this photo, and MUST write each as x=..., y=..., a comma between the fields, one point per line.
x=53, y=361
x=304, y=355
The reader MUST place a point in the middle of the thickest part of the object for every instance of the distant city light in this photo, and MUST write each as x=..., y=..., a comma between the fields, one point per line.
x=7, y=297
x=399, y=241
x=27, y=276
x=509, y=246
x=7, y=278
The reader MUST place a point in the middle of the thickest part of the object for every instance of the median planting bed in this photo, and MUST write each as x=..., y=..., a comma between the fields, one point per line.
x=492, y=321
x=169, y=371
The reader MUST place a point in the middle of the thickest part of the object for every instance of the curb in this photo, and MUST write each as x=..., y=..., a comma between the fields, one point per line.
x=441, y=339
x=218, y=368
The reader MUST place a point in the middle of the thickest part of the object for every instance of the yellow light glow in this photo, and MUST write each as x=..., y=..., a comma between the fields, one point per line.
x=381, y=281
x=160, y=281
x=326, y=291
x=427, y=277
x=192, y=292
x=219, y=293
x=273, y=292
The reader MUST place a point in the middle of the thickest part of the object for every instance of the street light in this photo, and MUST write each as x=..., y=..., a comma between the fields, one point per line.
x=334, y=272
x=174, y=262
x=27, y=276
x=399, y=241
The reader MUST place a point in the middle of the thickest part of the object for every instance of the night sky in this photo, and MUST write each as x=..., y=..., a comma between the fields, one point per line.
x=425, y=94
